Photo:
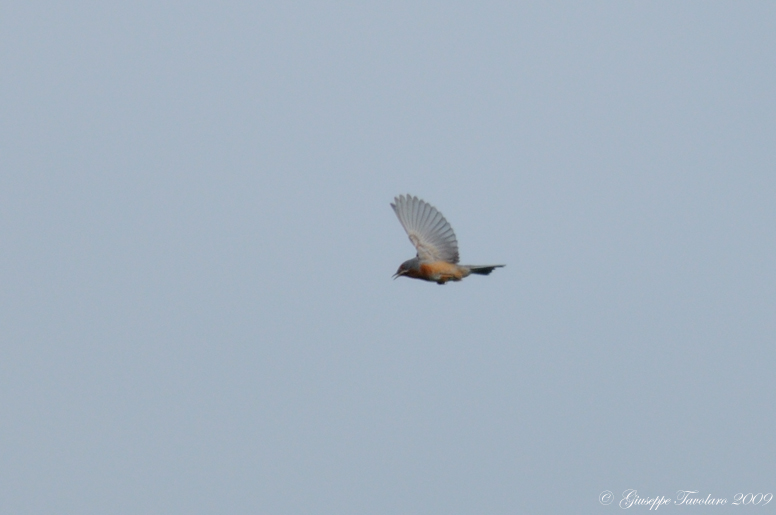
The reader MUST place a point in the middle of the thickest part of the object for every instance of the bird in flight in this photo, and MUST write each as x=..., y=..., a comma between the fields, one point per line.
x=437, y=258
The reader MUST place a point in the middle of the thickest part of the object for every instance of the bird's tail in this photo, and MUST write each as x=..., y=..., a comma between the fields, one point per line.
x=483, y=270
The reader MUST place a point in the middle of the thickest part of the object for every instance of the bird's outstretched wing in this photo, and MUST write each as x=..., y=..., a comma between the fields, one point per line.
x=427, y=228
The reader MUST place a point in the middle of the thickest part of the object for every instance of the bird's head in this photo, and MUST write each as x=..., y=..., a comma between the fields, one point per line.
x=407, y=267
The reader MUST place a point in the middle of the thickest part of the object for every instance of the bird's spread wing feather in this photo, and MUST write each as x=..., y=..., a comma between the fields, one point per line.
x=427, y=228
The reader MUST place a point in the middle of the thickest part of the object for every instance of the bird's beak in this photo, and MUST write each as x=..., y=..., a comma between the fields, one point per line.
x=397, y=274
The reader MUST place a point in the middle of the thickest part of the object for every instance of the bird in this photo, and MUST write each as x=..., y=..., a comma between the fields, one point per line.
x=433, y=237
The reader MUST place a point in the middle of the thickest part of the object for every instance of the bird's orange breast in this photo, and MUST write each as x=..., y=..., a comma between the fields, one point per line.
x=441, y=271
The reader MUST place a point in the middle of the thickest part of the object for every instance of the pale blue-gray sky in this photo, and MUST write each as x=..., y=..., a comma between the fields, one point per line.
x=196, y=306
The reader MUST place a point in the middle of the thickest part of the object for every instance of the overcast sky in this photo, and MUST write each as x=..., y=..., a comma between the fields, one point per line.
x=196, y=247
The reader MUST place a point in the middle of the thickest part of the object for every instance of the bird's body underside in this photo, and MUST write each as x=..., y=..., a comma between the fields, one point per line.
x=433, y=237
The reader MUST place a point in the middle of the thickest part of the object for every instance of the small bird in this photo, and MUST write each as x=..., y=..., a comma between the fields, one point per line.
x=437, y=258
